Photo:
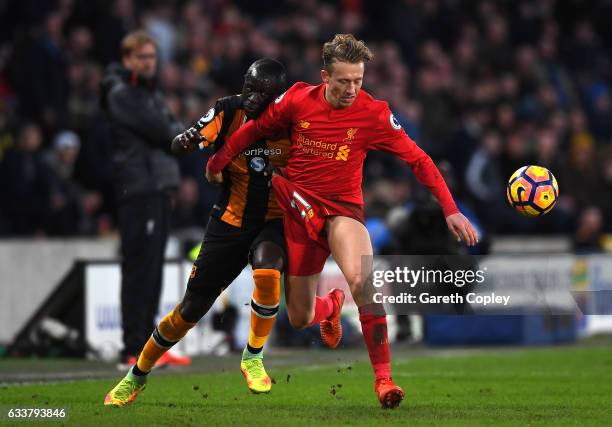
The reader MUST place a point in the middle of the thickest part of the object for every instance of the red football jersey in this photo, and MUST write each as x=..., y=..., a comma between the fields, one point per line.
x=329, y=146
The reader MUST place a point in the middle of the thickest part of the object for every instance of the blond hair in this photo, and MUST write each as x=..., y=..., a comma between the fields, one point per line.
x=135, y=40
x=345, y=48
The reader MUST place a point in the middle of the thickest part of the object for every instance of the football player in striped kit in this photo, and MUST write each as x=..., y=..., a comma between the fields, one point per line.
x=245, y=226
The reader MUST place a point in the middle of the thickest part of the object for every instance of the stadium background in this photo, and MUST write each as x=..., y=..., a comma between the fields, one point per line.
x=487, y=86
x=484, y=87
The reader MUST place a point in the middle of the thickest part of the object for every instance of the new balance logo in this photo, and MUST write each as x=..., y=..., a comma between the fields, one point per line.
x=343, y=153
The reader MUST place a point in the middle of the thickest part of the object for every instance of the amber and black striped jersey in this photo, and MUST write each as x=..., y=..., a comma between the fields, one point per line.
x=246, y=199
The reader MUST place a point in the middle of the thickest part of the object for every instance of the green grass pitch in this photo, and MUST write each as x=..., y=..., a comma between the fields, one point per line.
x=555, y=386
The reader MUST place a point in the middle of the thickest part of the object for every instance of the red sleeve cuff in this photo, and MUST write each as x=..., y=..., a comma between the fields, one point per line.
x=214, y=164
x=450, y=210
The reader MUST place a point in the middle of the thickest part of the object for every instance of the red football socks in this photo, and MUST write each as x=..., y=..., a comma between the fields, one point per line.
x=374, y=328
x=324, y=307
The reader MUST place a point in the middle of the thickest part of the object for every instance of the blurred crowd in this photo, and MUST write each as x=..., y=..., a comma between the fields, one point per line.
x=483, y=86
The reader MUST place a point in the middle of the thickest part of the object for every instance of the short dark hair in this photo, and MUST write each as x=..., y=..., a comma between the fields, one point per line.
x=345, y=48
x=135, y=40
x=270, y=67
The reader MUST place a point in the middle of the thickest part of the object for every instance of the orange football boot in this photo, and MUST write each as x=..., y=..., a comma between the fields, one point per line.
x=331, y=328
x=389, y=394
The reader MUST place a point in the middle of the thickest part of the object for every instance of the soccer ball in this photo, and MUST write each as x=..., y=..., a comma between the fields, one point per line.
x=532, y=190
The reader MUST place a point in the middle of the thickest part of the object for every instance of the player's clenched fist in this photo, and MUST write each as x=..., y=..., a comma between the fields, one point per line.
x=213, y=178
x=187, y=141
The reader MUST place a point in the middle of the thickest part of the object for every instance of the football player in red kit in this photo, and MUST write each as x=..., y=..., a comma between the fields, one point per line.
x=333, y=125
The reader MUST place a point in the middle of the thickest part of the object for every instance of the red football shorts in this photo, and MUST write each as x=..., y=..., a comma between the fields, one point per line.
x=304, y=220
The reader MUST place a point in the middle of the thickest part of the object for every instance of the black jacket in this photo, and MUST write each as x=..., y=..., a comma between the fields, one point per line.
x=142, y=129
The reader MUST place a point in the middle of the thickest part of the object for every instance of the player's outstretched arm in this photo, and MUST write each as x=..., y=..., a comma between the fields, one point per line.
x=462, y=229
x=276, y=117
x=428, y=174
x=395, y=141
x=238, y=141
